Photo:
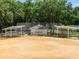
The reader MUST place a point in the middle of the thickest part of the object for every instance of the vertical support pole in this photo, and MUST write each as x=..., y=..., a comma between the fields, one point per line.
x=11, y=32
x=57, y=31
x=73, y=33
x=68, y=33
x=21, y=31
x=15, y=31
x=5, y=32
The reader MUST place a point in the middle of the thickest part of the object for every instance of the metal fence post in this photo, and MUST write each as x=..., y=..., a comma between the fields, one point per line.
x=68, y=33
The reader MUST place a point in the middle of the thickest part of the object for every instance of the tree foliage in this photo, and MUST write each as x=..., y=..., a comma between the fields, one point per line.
x=49, y=11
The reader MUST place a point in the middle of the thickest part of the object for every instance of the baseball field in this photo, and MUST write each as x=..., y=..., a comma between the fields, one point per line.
x=38, y=47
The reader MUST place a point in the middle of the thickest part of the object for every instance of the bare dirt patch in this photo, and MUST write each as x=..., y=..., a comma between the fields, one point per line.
x=37, y=47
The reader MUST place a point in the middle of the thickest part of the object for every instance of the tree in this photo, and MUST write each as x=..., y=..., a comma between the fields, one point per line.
x=76, y=15
x=38, y=11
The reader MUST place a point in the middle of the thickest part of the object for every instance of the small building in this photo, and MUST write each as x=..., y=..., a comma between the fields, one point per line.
x=38, y=30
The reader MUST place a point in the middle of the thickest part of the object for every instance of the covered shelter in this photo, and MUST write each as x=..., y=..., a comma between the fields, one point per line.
x=13, y=31
x=70, y=31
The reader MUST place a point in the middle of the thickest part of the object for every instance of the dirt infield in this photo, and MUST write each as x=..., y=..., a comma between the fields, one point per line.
x=37, y=47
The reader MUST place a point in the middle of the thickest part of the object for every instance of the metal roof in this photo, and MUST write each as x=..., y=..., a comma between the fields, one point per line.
x=69, y=27
x=14, y=27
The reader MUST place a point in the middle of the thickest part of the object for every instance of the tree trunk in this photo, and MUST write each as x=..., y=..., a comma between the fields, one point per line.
x=14, y=20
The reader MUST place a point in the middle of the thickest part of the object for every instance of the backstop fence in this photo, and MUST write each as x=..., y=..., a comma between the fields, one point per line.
x=42, y=29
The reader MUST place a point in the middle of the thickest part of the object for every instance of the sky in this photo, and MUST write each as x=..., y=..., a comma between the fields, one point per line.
x=74, y=2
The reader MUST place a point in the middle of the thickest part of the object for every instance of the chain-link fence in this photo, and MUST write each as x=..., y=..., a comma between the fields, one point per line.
x=42, y=29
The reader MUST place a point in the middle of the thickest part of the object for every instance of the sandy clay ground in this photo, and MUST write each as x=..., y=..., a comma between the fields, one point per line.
x=37, y=47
